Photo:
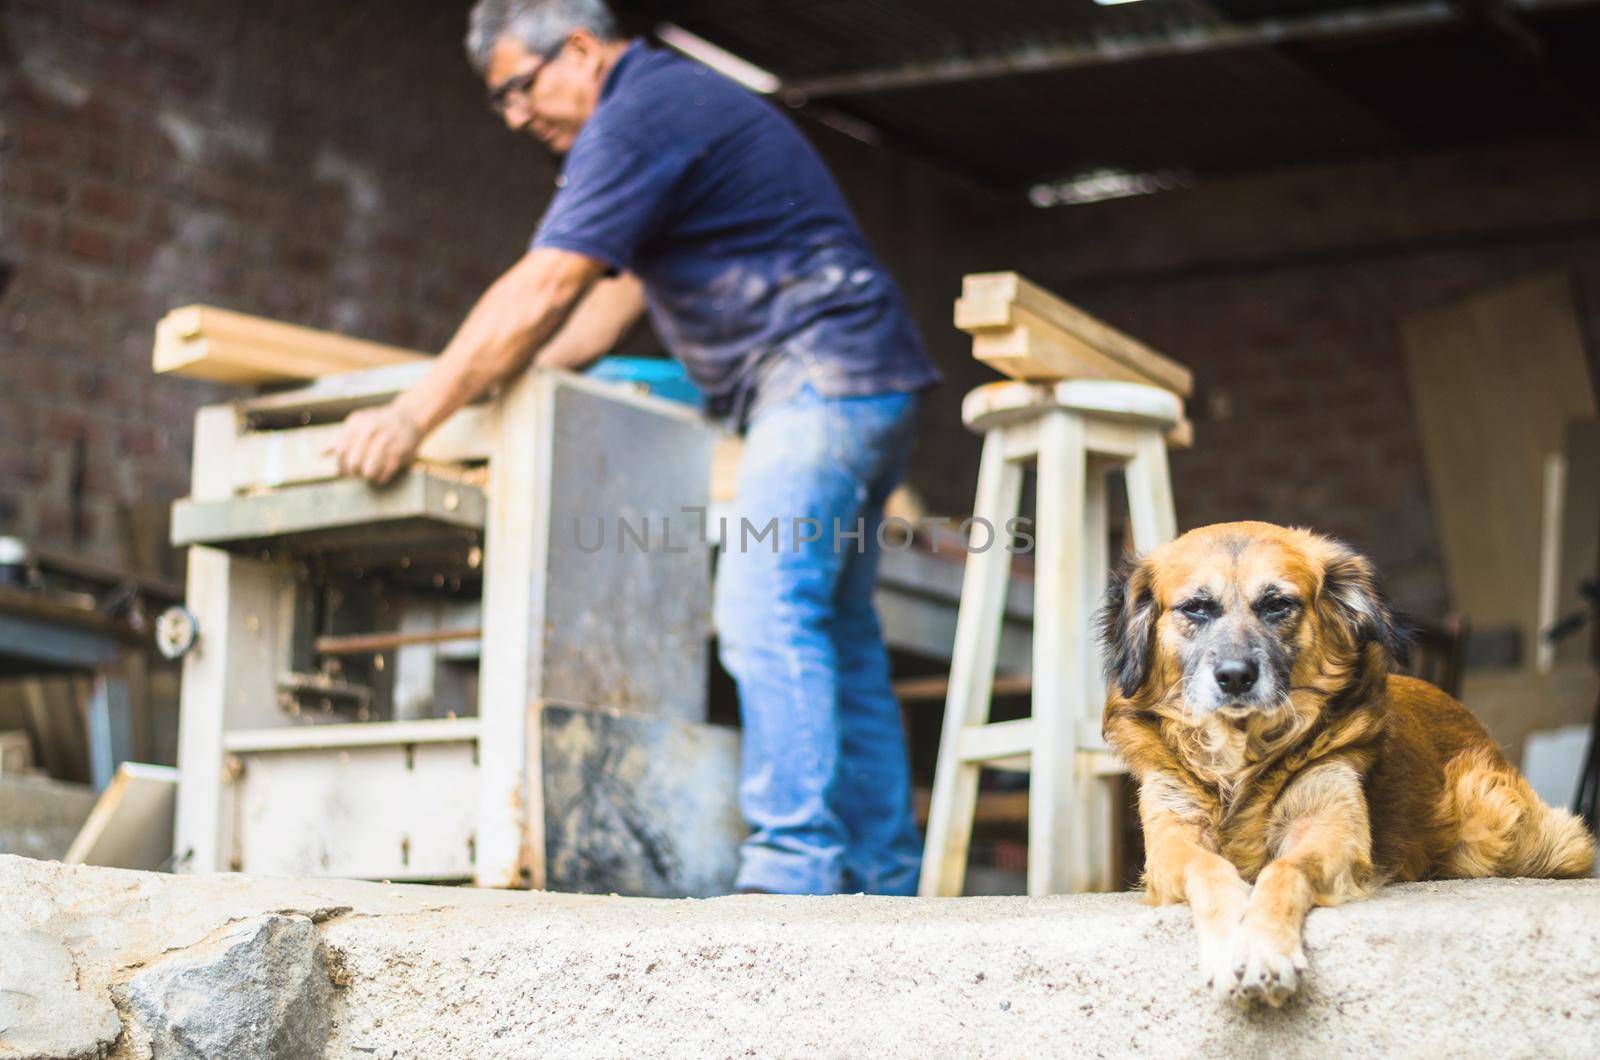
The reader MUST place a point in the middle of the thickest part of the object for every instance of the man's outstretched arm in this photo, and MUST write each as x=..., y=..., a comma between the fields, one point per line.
x=596, y=326
x=515, y=316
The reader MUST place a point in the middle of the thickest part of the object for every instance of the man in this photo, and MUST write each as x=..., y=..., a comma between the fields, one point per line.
x=683, y=194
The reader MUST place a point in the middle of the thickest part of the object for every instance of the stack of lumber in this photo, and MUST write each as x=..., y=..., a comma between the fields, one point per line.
x=1023, y=331
x=202, y=342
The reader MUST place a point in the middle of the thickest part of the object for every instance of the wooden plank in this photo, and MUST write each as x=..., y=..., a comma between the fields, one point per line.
x=1026, y=346
x=203, y=342
x=1010, y=288
x=130, y=826
x=275, y=458
x=1495, y=379
x=238, y=364
x=332, y=397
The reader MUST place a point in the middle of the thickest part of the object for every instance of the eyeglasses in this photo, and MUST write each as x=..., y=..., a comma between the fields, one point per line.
x=521, y=86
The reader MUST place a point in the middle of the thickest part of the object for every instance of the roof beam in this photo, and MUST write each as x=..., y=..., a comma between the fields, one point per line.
x=1100, y=51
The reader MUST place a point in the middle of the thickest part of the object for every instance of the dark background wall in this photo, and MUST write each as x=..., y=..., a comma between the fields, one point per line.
x=328, y=164
x=1284, y=292
x=334, y=165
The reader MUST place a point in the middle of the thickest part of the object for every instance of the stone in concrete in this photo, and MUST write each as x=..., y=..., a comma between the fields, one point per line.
x=257, y=988
x=43, y=1013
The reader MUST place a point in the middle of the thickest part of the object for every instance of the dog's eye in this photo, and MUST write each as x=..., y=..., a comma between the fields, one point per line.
x=1198, y=610
x=1275, y=607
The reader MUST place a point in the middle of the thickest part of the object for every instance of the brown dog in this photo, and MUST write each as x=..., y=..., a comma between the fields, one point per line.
x=1251, y=695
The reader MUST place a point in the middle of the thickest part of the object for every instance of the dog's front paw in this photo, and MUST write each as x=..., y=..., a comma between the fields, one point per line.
x=1216, y=968
x=1258, y=965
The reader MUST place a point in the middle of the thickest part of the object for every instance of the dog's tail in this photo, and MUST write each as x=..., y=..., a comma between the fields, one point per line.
x=1505, y=829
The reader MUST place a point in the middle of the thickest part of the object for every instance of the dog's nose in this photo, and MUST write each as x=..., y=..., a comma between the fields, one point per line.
x=1236, y=676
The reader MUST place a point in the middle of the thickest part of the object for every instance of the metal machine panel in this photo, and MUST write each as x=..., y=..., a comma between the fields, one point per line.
x=639, y=805
x=628, y=583
x=386, y=812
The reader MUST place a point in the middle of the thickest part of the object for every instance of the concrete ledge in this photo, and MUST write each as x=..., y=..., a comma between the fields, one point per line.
x=1496, y=968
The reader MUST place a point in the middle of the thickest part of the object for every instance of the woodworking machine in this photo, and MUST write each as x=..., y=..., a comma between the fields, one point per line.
x=443, y=679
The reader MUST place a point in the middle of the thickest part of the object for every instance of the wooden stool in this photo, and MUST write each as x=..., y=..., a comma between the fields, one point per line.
x=1077, y=431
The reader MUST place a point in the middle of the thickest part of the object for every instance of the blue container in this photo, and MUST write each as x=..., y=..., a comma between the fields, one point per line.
x=660, y=376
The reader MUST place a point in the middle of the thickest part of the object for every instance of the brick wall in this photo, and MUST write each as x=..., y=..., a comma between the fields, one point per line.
x=331, y=164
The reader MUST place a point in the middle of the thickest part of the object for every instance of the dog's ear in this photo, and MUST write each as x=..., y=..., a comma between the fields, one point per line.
x=1353, y=598
x=1127, y=622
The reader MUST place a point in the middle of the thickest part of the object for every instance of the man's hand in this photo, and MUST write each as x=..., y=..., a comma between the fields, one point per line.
x=377, y=444
x=515, y=316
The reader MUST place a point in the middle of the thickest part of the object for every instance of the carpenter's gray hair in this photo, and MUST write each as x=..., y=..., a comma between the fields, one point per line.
x=538, y=25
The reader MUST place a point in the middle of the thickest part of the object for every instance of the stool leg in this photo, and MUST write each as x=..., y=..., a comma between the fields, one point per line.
x=1055, y=828
x=1092, y=587
x=1150, y=494
x=972, y=661
x=1094, y=864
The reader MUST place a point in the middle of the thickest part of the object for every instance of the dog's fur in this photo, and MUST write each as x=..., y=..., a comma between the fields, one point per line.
x=1327, y=778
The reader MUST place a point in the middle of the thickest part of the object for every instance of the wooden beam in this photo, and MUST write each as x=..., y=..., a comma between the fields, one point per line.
x=1005, y=300
x=1025, y=347
x=203, y=342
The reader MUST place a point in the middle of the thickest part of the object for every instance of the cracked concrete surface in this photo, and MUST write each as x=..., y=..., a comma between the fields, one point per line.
x=1497, y=968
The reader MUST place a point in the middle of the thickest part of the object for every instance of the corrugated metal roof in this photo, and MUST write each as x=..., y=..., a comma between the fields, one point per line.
x=1438, y=81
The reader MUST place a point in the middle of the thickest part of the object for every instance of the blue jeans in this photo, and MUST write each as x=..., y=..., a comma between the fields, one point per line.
x=826, y=786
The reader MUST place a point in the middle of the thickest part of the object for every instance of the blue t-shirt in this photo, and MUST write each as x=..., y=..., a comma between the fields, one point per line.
x=753, y=268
